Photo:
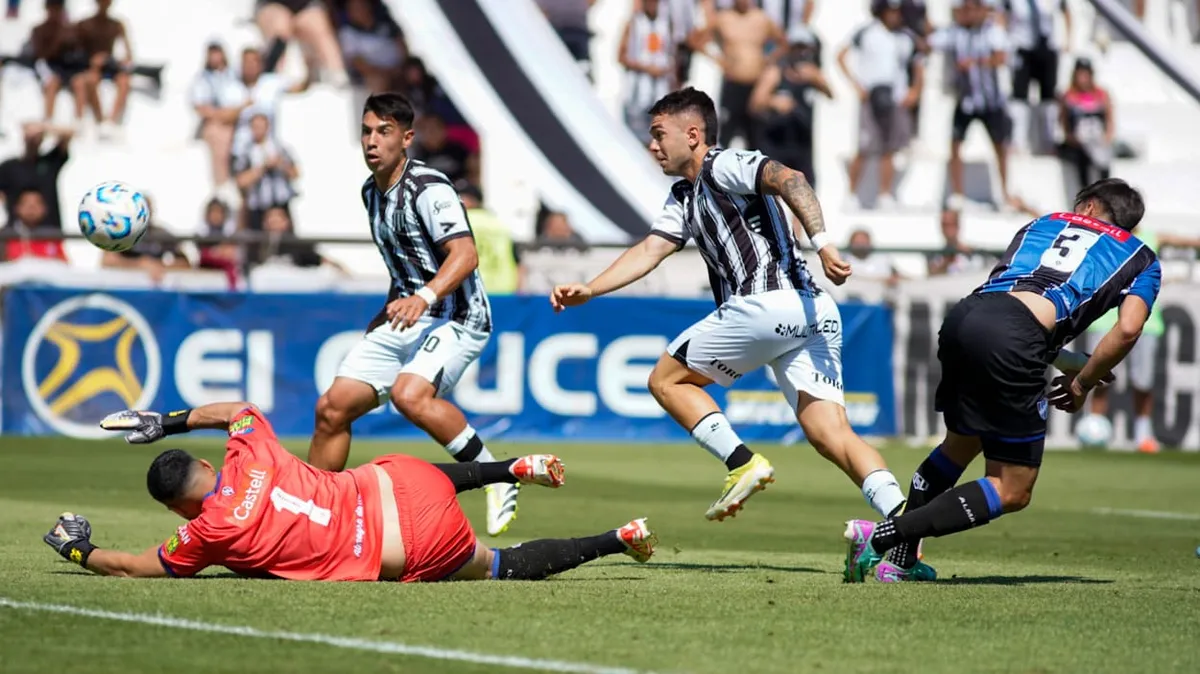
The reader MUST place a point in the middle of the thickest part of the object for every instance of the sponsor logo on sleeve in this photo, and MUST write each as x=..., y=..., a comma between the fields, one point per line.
x=242, y=426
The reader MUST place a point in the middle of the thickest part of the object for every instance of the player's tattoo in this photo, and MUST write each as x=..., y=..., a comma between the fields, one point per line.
x=797, y=194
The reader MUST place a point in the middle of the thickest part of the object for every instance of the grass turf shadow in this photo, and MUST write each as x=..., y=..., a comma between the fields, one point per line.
x=1022, y=580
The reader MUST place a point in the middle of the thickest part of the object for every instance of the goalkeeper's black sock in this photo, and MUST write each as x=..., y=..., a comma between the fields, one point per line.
x=973, y=504
x=537, y=559
x=935, y=475
x=475, y=475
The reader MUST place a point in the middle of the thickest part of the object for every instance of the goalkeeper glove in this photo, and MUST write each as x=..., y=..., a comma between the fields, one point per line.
x=146, y=427
x=71, y=538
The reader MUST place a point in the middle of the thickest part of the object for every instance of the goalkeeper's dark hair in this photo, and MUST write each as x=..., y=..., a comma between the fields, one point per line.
x=391, y=105
x=1118, y=198
x=694, y=101
x=170, y=475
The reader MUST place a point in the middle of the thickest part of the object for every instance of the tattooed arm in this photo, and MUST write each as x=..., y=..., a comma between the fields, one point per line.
x=791, y=186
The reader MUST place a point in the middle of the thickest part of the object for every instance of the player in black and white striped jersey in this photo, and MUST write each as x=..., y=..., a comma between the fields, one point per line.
x=769, y=309
x=437, y=318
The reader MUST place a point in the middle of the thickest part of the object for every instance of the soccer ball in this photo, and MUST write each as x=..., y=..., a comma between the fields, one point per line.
x=113, y=216
x=1094, y=430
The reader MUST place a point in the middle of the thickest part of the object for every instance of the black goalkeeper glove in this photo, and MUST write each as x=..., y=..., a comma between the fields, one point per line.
x=71, y=538
x=146, y=427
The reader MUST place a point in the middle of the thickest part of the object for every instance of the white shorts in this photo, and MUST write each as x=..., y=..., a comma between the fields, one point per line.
x=1141, y=362
x=435, y=349
x=798, y=335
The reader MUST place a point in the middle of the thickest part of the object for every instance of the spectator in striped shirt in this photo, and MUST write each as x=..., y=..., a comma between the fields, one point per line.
x=265, y=172
x=978, y=49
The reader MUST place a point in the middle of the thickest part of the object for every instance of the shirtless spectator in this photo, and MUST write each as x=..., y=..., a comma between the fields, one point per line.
x=308, y=22
x=788, y=14
x=219, y=97
x=98, y=36
x=57, y=56
x=743, y=34
x=373, y=46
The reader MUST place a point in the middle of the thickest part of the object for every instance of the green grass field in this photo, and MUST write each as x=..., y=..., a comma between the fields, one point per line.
x=1097, y=576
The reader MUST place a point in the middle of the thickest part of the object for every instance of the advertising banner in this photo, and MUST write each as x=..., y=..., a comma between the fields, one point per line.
x=71, y=357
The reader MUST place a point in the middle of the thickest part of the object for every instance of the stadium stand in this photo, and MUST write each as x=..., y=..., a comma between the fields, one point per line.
x=161, y=153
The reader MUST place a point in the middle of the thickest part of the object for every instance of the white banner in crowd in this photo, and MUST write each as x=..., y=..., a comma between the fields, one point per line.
x=919, y=305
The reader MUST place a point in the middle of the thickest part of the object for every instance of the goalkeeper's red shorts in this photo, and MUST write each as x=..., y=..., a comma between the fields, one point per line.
x=438, y=539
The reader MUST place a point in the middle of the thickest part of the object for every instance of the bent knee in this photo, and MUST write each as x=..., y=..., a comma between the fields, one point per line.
x=331, y=415
x=411, y=399
x=1013, y=499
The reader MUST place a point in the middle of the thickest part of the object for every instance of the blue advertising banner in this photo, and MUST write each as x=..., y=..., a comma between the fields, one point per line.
x=69, y=358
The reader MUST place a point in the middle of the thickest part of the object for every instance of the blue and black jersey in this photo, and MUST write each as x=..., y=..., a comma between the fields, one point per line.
x=1084, y=266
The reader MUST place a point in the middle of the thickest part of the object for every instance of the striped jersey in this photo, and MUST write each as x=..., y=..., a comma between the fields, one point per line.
x=410, y=222
x=978, y=86
x=650, y=44
x=1084, y=266
x=743, y=235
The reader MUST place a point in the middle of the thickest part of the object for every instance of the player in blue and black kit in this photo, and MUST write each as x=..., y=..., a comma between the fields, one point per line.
x=1061, y=272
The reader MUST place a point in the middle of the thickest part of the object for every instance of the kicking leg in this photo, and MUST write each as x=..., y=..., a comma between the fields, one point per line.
x=680, y=392
x=535, y=560
x=542, y=469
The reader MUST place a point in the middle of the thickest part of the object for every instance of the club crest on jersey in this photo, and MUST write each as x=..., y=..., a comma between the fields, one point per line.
x=1043, y=408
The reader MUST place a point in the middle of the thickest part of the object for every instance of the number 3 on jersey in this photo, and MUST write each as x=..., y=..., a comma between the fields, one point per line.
x=1069, y=250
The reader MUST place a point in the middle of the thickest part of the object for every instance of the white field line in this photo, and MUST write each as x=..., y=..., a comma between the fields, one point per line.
x=1146, y=514
x=388, y=647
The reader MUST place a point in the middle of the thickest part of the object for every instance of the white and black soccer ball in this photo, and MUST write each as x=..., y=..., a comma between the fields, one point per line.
x=1094, y=430
x=114, y=216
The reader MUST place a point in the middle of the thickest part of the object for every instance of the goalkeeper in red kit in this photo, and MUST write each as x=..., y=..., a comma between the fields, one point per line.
x=266, y=513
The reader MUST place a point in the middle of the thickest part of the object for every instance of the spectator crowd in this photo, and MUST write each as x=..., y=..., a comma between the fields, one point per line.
x=1002, y=62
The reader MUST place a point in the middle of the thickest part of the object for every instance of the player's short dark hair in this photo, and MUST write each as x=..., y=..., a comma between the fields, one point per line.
x=689, y=99
x=170, y=475
x=1123, y=203
x=391, y=105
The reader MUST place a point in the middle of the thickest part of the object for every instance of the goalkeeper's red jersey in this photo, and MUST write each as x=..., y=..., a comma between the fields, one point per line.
x=273, y=515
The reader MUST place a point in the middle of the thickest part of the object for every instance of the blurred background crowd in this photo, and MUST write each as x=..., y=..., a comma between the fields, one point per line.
x=1021, y=72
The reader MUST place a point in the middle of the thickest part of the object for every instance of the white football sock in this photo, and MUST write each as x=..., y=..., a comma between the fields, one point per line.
x=882, y=491
x=714, y=434
x=1142, y=429
x=463, y=439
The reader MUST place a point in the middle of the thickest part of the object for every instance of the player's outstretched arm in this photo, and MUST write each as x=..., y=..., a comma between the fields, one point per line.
x=1070, y=392
x=793, y=188
x=71, y=537
x=637, y=261
x=127, y=565
x=146, y=427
